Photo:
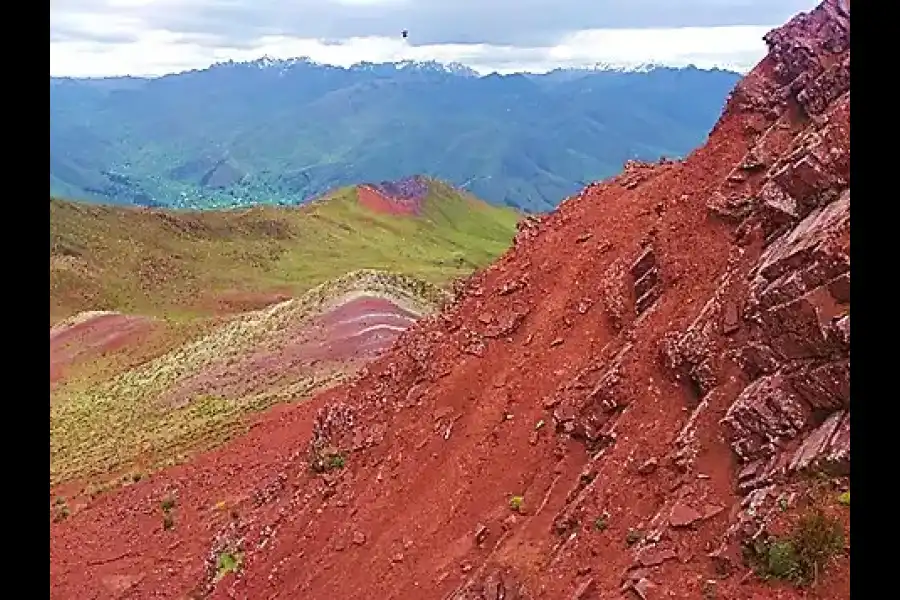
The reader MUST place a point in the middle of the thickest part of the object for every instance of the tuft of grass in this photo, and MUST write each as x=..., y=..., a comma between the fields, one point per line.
x=327, y=459
x=516, y=503
x=228, y=562
x=601, y=522
x=60, y=512
x=844, y=499
x=167, y=504
x=800, y=556
x=633, y=536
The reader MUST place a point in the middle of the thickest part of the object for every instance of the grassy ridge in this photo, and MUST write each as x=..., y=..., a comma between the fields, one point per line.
x=125, y=422
x=176, y=263
x=132, y=410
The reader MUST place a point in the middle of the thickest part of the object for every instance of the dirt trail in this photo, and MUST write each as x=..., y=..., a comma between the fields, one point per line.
x=651, y=369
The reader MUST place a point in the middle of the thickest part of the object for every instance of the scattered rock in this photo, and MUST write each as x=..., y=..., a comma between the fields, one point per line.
x=683, y=515
x=649, y=466
x=730, y=320
x=586, y=591
x=481, y=533
x=645, y=589
x=653, y=556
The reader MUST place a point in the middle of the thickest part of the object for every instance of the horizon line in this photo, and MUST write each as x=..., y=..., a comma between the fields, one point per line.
x=600, y=66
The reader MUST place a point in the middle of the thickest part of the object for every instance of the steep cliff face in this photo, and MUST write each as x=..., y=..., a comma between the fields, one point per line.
x=622, y=404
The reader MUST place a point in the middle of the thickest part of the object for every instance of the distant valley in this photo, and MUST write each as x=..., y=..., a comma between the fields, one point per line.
x=284, y=132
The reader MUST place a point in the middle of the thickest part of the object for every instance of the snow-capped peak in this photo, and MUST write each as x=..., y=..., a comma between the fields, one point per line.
x=453, y=68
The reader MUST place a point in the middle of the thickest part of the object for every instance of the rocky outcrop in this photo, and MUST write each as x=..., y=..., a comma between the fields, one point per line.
x=793, y=413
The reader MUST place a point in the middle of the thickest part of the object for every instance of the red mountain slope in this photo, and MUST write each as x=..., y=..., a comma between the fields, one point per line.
x=649, y=371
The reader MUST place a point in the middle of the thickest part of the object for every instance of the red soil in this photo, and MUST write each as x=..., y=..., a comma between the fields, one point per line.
x=93, y=337
x=343, y=339
x=485, y=402
x=380, y=203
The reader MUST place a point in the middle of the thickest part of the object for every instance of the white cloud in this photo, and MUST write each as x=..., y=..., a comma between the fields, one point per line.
x=125, y=48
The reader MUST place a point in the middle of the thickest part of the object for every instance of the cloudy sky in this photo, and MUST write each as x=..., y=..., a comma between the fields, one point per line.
x=155, y=37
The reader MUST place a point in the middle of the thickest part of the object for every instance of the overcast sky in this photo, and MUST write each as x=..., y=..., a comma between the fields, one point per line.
x=154, y=37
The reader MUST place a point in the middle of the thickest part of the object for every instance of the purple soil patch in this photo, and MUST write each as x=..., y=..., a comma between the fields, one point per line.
x=90, y=338
x=408, y=189
x=403, y=197
x=343, y=339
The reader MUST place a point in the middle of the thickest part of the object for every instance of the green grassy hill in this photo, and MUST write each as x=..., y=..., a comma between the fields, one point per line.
x=180, y=264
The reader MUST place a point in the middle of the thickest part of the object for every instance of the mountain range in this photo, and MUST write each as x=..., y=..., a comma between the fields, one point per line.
x=285, y=131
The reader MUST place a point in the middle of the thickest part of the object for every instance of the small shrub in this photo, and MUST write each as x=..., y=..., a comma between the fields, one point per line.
x=600, y=523
x=336, y=461
x=228, y=563
x=516, y=503
x=816, y=539
x=634, y=536
x=168, y=504
x=801, y=555
x=844, y=499
x=781, y=560
x=327, y=459
x=61, y=514
x=168, y=521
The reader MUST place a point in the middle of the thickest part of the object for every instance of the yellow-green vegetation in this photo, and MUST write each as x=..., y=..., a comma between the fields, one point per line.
x=228, y=562
x=168, y=263
x=516, y=503
x=844, y=499
x=801, y=555
x=100, y=428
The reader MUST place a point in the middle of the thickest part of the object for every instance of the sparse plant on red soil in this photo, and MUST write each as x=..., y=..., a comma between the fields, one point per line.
x=60, y=510
x=228, y=562
x=326, y=459
x=800, y=556
x=601, y=522
x=516, y=503
x=633, y=536
x=167, y=505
